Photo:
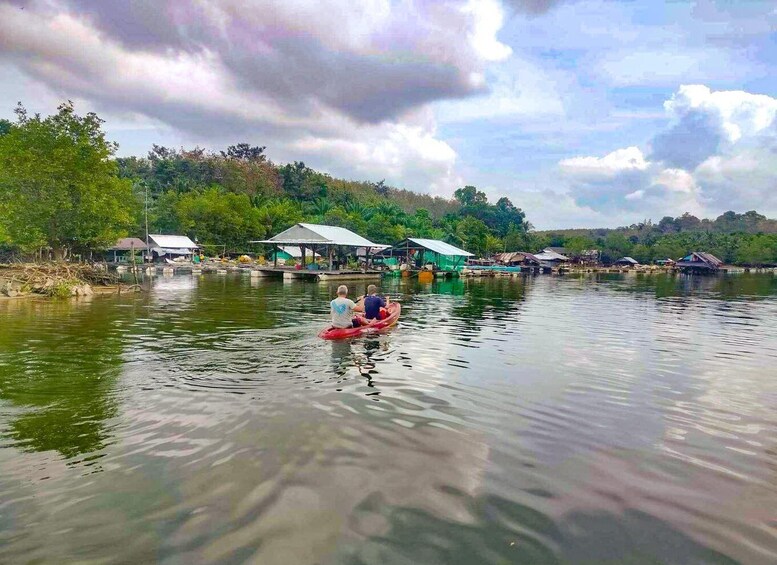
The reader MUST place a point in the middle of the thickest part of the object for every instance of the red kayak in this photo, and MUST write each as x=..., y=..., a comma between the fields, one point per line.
x=393, y=309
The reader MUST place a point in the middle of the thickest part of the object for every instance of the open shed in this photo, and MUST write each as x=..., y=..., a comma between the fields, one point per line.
x=317, y=238
x=418, y=252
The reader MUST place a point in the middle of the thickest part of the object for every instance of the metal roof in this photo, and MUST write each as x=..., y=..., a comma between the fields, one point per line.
x=440, y=247
x=628, y=260
x=127, y=243
x=315, y=234
x=550, y=255
x=173, y=241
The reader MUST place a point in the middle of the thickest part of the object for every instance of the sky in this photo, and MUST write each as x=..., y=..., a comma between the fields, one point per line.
x=583, y=113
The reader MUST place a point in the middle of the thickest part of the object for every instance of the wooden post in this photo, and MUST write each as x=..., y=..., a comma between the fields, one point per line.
x=302, y=248
x=331, y=257
x=275, y=258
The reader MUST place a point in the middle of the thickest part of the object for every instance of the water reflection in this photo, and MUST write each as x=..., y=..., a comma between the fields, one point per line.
x=56, y=397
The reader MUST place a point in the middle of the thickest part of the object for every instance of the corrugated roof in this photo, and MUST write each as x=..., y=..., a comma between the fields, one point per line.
x=173, y=241
x=550, y=255
x=440, y=247
x=127, y=243
x=315, y=234
x=628, y=260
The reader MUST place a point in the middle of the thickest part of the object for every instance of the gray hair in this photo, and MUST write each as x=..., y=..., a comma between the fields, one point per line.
x=342, y=290
x=372, y=289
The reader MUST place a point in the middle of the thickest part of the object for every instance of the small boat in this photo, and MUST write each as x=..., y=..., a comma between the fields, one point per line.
x=393, y=309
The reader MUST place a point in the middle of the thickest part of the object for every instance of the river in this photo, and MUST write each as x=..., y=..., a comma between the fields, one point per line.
x=611, y=418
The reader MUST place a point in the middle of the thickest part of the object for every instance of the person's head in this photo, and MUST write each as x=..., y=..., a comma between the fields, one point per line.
x=342, y=290
x=372, y=289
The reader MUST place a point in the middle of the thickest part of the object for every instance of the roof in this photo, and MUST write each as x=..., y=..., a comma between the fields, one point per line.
x=550, y=255
x=173, y=241
x=294, y=250
x=315, y=234
x=515, y=256
x=700, y=258
x=559, y=250
x=628, y=260
x=127, y=243
x=440, y=247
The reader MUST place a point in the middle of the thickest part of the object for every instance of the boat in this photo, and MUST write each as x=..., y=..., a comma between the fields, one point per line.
x=393, y=309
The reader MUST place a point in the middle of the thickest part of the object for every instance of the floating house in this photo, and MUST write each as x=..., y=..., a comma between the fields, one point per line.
x=171, y=247
x=123, y=250
x=550, y=258
x=700, y=262
x=517, y=259
x=429, y=254
x=332, y=242
x=626, y=262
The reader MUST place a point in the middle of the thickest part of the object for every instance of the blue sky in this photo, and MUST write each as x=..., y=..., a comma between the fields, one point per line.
x=584, y=113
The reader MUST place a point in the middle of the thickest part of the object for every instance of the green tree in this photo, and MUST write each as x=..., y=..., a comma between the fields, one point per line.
x=59, y=186
x=474, y=234
x=216, y=217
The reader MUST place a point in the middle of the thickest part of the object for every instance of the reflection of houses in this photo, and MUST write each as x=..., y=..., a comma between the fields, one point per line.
x=421, y=253
x=701, y=262
x=517, y=259
x=124, y=250
x=172, y=247
x=626, y=262
x=550, y=258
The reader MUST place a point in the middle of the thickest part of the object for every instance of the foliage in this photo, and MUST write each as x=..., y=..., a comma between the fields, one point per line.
x=58, y=183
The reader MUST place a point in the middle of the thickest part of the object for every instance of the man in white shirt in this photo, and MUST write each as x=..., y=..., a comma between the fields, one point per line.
x=343, y=309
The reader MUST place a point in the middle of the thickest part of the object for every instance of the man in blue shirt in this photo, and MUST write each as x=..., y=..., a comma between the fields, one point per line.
x=373, y=303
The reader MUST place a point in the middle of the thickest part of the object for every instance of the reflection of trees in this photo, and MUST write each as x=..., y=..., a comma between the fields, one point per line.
x=743, y=285
x=59, y=362
x=490, y=298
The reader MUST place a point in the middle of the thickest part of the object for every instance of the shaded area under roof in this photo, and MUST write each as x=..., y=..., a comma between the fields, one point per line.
x=550, y=255
x=434, y=245
x=316, y=234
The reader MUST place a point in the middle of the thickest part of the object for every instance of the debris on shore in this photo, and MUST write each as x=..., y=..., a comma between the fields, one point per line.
x=59, y=280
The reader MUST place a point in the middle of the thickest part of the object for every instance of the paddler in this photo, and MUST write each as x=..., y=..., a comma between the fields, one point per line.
x=342, y=309
x=374, y=303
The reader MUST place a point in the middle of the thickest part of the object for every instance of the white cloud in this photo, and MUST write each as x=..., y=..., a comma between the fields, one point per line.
x=607, y=167
x=725, y=143
x=739, y=113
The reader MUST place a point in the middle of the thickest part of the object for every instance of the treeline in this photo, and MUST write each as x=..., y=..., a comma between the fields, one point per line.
x=748, y=239
x=61, y=188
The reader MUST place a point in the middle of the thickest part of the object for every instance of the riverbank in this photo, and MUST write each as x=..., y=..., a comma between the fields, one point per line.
x=55, y=280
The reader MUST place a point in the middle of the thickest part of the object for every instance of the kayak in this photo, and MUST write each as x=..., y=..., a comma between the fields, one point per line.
x=393, y=309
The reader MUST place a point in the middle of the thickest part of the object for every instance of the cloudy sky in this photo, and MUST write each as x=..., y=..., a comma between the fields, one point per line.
x=584, y=113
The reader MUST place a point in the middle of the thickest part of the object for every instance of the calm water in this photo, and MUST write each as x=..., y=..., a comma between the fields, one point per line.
x=617, y=419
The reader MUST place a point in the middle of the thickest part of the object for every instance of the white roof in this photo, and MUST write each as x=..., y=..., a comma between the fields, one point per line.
x=550, y=255
x=440, y=247
x=315, y=234
x=294, y=250
x=628, y=260
x=173, y=241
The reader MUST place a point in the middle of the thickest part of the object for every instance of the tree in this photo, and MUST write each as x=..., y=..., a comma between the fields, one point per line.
x=473, y=233
x=59, y=186
x=470, y=196
x=216, y=217
x=5, y=127
x=245, y=152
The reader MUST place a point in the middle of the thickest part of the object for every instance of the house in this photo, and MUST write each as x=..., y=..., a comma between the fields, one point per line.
x=626, y=262
x=123, y=250
x=171, y=247
x=517, y=258
x=700, y=262
x=419, y=252
x=550, y=258
x=665, y=262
